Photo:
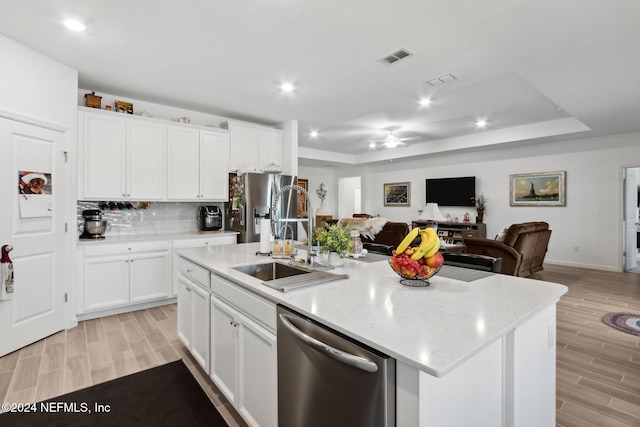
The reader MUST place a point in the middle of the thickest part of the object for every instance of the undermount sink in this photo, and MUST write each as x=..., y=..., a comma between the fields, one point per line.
x=283, y=277
x=271, y=270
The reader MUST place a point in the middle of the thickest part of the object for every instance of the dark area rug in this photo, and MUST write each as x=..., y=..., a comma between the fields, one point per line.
x=627, y=322
x=166, y=395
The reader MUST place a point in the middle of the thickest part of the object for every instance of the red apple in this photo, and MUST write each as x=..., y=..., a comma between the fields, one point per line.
x=435, y=261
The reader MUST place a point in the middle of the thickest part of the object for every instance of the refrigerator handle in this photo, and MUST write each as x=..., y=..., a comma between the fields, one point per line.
x=339, y=355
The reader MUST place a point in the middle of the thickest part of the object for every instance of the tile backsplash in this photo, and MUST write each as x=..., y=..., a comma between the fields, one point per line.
x=158, y=217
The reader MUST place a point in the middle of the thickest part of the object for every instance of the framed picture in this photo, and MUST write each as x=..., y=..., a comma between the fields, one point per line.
x=124, y=107
x=537, y=189
x=303, y=208
x=397, y=194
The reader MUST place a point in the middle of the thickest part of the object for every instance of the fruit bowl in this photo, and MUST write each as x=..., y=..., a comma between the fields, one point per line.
x=411, y=272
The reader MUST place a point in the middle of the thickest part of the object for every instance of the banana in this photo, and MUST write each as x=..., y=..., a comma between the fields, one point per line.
x=431, y=252
x=407, y=241
x=429, y=240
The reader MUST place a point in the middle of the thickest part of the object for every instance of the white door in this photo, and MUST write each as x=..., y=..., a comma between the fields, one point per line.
x=214, y=166
x=146, y=150
x=183, y=160
x=224, y=348
x=631, y=218
x=34, y=225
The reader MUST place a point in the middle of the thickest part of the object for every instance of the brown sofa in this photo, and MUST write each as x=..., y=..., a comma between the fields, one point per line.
x=522, y=248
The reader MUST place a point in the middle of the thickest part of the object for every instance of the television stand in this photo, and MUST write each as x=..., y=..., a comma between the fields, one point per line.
x=454, y=232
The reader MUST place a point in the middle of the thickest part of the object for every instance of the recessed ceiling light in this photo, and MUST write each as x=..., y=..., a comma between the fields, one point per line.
x=424, y=102
x=287, y=87
x=313, y=134
x=481, y=124
x=372, y=145
x=74, y=25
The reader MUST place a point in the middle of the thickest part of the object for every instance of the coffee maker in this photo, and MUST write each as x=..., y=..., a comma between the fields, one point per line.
x=209, y=218
x=93, y=226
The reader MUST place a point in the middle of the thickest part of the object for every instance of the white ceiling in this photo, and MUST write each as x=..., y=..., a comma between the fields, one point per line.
x=532, y=69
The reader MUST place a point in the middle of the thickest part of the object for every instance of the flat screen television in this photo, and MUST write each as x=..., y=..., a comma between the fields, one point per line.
x=452, y=191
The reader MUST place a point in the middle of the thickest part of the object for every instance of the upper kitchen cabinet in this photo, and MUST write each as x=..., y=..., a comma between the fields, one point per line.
x=120, y=157
x=254, y=146
x=198, y=164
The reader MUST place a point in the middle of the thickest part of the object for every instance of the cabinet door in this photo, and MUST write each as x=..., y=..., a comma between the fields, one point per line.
x=182, y=164
x=150, y=276
x=184, y=310
x=257, y=374
x=103, y=157
x=244, y=148
x=214, y=166
x=224, y=351
x=146, y=150
x=200, y=326
x=106, y=281
x=270, y=147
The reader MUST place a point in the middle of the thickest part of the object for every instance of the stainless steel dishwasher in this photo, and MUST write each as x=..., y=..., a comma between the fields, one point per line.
x=328, y=379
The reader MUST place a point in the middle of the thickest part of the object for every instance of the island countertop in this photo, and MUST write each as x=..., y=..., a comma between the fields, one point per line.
x=433, y=328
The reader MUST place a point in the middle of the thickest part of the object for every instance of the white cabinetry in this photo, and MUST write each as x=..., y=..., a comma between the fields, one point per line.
x=120, y=157
x=244, y=351
x=122, y=275
x=198, y=164
x=193, y=310
x=198, y=242
x=253, y=146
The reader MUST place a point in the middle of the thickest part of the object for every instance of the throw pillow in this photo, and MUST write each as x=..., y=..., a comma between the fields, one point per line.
x=500, y=236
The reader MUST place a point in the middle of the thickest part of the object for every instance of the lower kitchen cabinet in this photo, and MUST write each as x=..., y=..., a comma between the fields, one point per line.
x=244, y=353
x=193, y=319
x=122, y=275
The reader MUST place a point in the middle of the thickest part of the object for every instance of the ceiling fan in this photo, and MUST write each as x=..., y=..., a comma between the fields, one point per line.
x=390, y=141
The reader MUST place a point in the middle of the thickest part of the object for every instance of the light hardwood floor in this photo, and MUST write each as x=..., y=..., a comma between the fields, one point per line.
x=99, y=350
x=598, y=367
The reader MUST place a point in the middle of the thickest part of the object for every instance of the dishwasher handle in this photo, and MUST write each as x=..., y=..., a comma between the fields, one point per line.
x=339, y=355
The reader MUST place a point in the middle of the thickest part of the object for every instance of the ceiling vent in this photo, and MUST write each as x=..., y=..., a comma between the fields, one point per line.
x=442, y=79
x=396, y=56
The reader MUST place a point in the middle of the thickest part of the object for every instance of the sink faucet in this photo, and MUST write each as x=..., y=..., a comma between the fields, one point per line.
x=274, y=216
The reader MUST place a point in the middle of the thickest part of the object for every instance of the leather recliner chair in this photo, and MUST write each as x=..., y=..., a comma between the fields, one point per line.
x=522, y=249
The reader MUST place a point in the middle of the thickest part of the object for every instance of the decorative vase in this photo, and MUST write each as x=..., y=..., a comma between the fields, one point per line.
x=322, y=209
x=480, y=217
x=335, y=260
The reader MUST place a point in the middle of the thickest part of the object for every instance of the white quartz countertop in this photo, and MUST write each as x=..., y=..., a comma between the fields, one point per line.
x=125, y=238
x=432, y=328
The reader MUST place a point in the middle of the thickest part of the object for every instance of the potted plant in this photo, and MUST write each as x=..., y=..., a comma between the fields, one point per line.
x=481, y=207
x=334, y=241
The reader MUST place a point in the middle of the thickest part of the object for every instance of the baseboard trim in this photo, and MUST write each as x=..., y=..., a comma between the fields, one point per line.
x=126, y=308
x=580, y=265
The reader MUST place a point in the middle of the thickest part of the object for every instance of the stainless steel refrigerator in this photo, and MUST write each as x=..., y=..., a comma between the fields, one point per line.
x=250, y=198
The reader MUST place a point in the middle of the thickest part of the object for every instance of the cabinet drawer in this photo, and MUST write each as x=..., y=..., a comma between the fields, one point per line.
x=194, y=272
x=249, y=304
x=470, y=233
x=99, y=248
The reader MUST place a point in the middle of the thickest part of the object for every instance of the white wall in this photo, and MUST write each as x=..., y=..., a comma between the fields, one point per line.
x=591, y=220
x=346, y=195
x=316, y=176
x=35, y=87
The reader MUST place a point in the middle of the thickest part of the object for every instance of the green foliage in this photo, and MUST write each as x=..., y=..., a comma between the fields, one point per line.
x=333, y=239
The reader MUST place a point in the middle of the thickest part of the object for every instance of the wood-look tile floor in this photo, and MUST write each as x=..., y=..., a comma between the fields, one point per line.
x=99, y=350
x=598, y=367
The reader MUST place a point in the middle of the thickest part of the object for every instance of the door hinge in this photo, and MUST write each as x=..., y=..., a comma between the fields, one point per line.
x=66, y=297
x=66, y=156
x=66, y=227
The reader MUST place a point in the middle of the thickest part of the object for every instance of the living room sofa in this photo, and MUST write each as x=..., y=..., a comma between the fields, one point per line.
x=522, y=247
x=385, y=240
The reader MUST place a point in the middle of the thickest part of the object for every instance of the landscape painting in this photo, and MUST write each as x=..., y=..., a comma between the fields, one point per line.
x=397, y=194
x=537, y=189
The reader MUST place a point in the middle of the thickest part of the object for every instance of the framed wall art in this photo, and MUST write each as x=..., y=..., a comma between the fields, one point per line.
x=397, y=194
x=537, y=189
x=303, y=206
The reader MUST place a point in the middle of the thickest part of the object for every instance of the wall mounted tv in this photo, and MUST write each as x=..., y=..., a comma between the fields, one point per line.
x=452, y=191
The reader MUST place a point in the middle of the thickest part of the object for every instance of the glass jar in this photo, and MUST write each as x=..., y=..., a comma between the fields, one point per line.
x=355, y=242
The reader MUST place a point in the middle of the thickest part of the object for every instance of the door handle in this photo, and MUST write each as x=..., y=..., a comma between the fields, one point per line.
x=339, y=355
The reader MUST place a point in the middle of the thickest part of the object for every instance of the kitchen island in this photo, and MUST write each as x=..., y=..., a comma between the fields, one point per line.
x=467, y=353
